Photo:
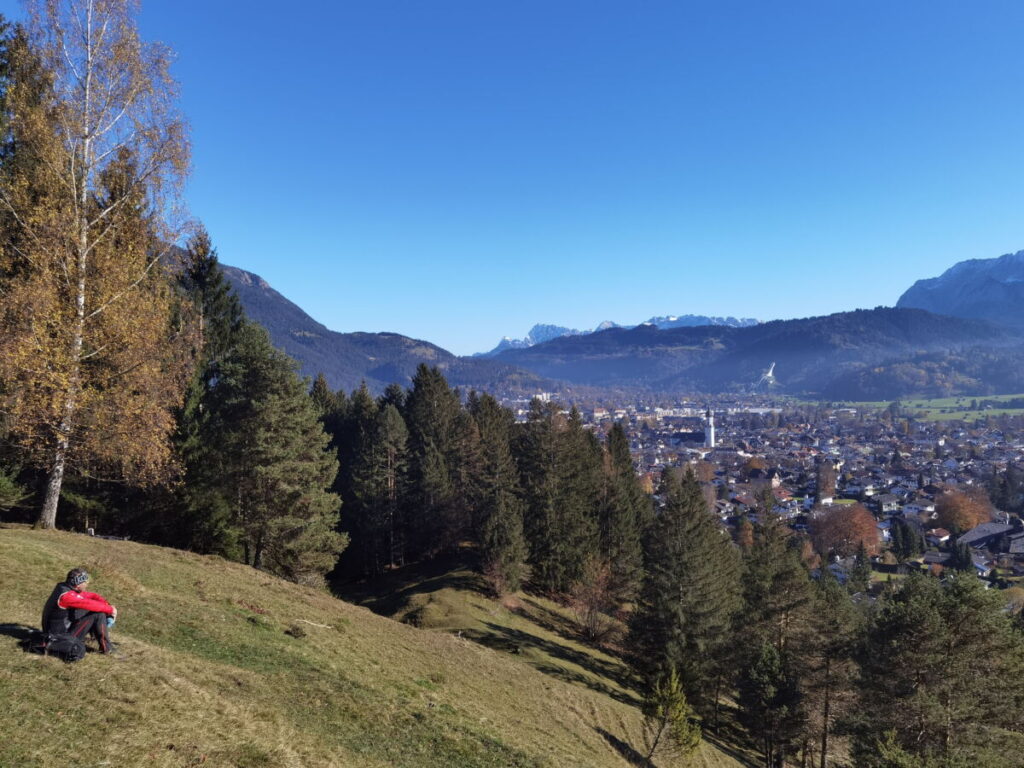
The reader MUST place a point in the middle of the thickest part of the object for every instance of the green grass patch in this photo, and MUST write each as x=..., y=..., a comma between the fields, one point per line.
x=213, y=673
x=944, y=408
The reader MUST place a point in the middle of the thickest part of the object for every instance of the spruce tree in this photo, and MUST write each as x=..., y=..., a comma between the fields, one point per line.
x=690, y=595
x=624, y=514
x=379, y=484
x=431, y=414
x=323, y=398
x=467, y=470
x=669, y=727
x=560, y=468
x=906, y=541
x=205, y=520
x=503, y=551
x=272, y=456
x=353, y=430
x=394, y=395
x=898, y=543
x=352, y=426
x=770, y=704
x=776, y=587
x=218, y=311
x=860, y=574
x=963, y=558
x=941, y=670
x=824, y=656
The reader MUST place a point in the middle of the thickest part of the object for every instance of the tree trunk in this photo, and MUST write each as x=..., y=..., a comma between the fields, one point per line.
x=826, y=714
x=257, y=556
x=718, y=707
x=657, y=740
x=48, y=514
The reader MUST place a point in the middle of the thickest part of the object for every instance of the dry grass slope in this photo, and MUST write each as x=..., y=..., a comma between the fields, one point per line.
x=221, y=668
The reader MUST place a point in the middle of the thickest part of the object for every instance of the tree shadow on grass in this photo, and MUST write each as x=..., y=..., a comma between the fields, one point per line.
x=388, y=594
x=731, y=750
x=552, y=621
x=514, y=641
x=18, y=631
x=628, y=753
x=633, y=757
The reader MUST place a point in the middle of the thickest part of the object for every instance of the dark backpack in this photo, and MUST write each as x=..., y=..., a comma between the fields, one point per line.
x=65, y=647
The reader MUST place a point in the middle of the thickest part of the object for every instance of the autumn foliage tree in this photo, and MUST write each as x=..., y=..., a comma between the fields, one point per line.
x=90, y=363
x=961, y=511
x=842, y=529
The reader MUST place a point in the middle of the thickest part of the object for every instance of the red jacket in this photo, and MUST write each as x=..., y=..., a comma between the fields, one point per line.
x=84, y=601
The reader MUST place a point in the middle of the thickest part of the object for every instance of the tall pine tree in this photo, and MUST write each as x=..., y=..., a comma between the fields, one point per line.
x=432, y=415
x=269, y=450
x=777, y=595
x=825, y=659
x=690, y=595
x=503, y=551
x=624, y=514
x=776, y=587
x=205, y=523
x=560, y=466
x=379, y=486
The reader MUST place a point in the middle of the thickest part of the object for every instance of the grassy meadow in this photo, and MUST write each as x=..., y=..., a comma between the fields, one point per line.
x=944, y=408
x=221, y=665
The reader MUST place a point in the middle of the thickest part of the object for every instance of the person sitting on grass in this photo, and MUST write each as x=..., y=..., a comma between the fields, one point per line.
x=72, y=611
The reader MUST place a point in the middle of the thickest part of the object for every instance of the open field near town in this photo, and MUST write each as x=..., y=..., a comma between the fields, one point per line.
x=946, y=408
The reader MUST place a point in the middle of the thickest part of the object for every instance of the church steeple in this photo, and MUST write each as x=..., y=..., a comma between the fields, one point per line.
x=709, y=429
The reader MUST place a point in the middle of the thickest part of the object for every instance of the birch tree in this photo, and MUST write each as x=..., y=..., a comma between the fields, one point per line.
x=89, y=363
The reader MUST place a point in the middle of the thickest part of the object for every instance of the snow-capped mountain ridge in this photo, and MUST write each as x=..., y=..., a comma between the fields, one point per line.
x=984, y=289
x=544, y=332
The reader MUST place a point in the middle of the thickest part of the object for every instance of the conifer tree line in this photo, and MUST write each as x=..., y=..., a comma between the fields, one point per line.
x=425, y=471
x=928, y=675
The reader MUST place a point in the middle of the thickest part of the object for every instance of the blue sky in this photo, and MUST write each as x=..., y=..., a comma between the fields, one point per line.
x=457, y=171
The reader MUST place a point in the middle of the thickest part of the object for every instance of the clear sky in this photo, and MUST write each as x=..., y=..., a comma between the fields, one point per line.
x=458, y=171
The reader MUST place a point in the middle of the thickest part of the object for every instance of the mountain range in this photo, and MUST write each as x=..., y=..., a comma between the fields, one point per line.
x=812, y=355
x=974, y=347
x=541, y=333
x=984, y=289
x=348, y=359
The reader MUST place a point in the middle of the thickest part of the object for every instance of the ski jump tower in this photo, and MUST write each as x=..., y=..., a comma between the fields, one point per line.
x=709, y=429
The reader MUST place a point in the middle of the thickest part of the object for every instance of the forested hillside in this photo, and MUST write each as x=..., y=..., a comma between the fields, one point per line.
x=818, y=355
x=347, y=359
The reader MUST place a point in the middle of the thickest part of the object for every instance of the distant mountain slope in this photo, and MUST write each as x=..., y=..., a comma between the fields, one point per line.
x=866, y=354
x=811, y=354
x=537, y=335
x=346, y=359
x=986, y=289
x=541, y=333
x=692, y=321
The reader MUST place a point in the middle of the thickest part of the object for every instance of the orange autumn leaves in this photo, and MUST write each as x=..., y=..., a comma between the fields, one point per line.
x=842, y=529
x=960, y=511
